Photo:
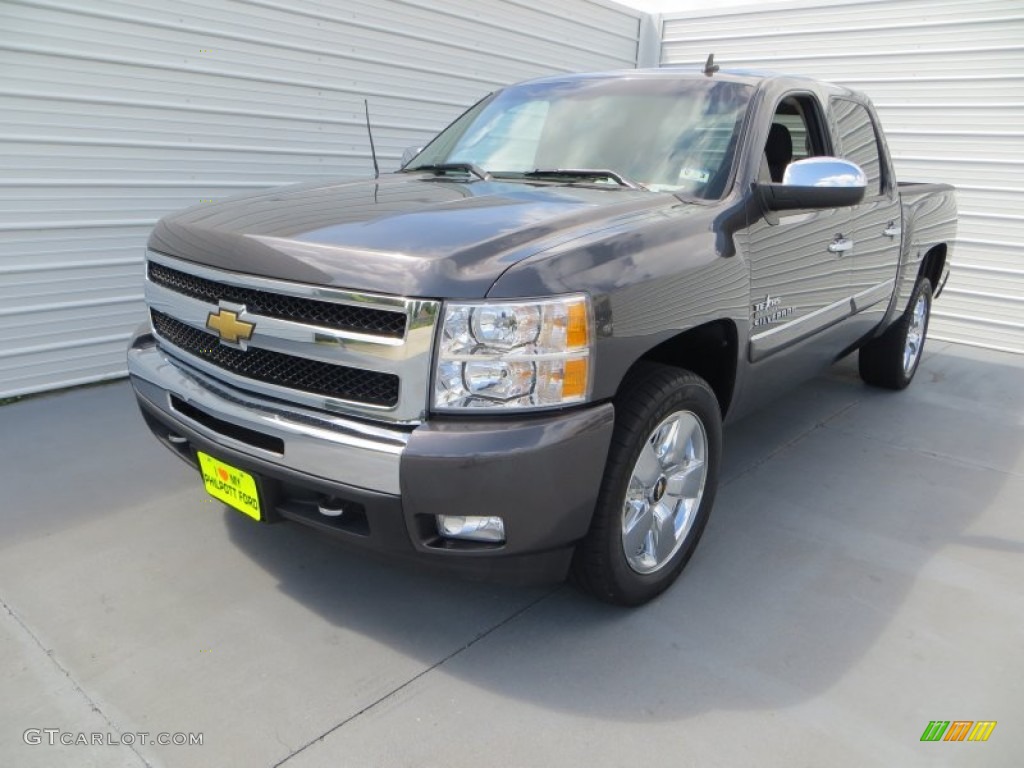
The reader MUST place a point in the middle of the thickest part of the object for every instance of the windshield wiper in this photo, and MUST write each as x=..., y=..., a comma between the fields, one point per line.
x=583, y=173
x=470, y=168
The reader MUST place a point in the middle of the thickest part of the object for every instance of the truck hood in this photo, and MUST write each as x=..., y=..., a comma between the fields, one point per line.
x=406, y=234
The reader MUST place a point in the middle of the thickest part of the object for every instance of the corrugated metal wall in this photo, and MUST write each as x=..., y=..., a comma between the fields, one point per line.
x=114, y=112
x=948, y=80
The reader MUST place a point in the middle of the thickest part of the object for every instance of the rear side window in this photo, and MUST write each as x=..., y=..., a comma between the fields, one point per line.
x=858, y=141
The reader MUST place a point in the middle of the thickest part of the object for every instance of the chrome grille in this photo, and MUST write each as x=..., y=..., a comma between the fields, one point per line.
x=281, y=370
x=316, y=346
x=323, y=313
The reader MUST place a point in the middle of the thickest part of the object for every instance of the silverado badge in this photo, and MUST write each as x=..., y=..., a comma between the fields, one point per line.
x=769, y=310
x=229, y=327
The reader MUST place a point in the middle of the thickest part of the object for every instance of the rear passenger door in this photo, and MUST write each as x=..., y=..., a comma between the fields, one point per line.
x=874, y=225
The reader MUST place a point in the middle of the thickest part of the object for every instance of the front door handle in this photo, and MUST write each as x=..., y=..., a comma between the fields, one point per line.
x=840, y=245
x=893, y=230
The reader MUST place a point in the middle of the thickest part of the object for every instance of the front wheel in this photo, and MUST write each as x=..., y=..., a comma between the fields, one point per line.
x=658, y=489
x=891, y=360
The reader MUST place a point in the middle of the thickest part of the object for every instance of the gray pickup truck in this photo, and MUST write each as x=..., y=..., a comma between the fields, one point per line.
x=514, y=356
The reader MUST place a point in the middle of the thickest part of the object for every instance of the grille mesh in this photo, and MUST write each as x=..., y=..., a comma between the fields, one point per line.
x=343, y=317
x=314, y=376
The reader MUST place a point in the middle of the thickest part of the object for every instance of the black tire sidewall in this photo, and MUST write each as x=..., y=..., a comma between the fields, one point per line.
x=653, y=400
x=881, y=359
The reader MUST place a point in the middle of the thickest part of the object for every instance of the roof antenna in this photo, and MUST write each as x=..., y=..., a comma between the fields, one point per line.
x=709, y=66
x=373, y=149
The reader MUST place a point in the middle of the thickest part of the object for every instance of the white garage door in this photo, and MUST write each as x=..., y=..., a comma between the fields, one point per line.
x=115, y=112
x=948, y=80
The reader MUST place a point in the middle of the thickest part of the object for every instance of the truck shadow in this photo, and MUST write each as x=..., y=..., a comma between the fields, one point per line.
x=834, y=500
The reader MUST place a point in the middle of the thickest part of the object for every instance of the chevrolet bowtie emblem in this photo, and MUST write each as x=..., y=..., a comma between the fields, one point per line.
x=229, y=327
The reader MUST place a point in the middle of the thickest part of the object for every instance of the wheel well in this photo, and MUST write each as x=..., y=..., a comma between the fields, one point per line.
x=709, y=351
x=933, y=264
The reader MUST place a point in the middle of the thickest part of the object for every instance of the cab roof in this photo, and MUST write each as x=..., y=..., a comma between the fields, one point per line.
x=752, y=77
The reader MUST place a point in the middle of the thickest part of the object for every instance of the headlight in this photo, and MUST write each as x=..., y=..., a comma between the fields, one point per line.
x=514, y=354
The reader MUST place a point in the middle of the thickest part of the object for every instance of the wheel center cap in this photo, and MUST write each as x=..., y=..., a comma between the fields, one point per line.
x=659, y=489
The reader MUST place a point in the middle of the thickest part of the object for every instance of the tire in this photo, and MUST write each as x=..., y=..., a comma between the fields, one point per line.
x=651, y=513
x=892, y=359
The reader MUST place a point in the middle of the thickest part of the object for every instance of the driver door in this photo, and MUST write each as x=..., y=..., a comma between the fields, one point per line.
x=799, y=281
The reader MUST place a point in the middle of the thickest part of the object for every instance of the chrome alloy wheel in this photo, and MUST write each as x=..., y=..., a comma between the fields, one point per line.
x=664, y=492
x=915, y=334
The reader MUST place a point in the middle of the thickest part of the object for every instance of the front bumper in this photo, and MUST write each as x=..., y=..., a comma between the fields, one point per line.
x=540, y=473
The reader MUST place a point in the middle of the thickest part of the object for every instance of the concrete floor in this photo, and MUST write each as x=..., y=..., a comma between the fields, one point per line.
x=860, y=576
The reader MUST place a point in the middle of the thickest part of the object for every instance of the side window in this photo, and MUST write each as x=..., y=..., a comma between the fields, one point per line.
x=858, y=141
x=798, y=132
x=795, y=134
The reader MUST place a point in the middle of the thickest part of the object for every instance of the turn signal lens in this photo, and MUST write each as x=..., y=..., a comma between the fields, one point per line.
x=574, y=379
x=577, y=332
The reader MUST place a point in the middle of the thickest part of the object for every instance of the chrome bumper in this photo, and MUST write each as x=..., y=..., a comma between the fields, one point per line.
x=334, y=448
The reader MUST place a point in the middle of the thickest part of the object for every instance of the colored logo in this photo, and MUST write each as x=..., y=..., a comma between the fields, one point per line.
x=958, y=730
x=229, y=327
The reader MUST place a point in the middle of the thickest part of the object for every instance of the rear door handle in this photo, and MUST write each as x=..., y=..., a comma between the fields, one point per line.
x=840, y=245
x=893, y=230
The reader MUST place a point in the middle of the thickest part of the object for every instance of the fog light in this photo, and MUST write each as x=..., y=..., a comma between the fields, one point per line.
x=472, y=528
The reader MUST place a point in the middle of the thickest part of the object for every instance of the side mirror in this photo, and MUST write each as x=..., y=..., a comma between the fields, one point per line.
x=409, y=154
x=816, y=182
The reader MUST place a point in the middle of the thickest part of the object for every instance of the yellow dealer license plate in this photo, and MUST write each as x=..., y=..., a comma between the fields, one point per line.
x=232, y=486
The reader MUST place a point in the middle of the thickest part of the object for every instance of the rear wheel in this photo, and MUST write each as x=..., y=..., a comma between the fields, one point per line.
x=658, y=488
x=891, y=360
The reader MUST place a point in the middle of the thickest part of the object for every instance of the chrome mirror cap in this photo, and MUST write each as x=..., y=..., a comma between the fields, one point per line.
x=825, y=172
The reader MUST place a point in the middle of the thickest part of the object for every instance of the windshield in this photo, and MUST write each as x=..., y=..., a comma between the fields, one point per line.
x=666, y=134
